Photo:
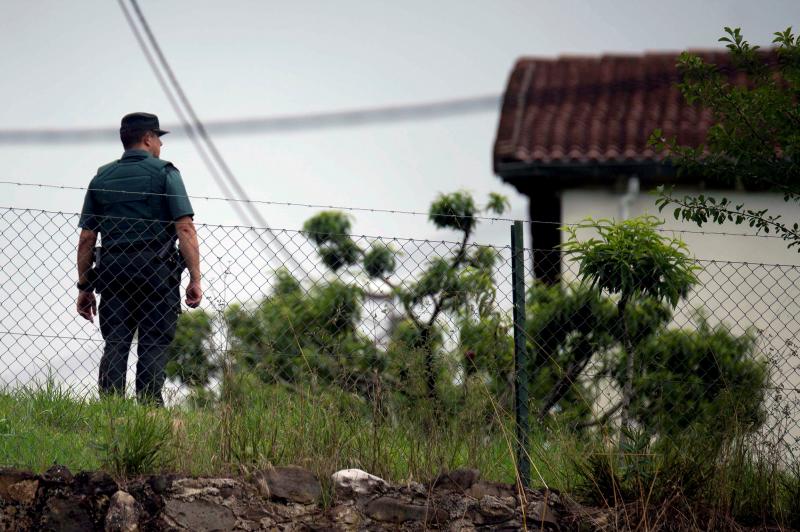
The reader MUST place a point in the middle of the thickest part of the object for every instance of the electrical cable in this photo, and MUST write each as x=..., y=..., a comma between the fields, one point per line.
x=197, y=125
x=181, y=116
x=388, y=114
x=187, y=126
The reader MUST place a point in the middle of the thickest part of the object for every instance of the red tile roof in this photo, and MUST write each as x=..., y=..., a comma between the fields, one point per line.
x=596, y=110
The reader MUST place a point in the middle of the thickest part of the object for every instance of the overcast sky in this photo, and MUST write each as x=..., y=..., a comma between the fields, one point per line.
x=76, y=64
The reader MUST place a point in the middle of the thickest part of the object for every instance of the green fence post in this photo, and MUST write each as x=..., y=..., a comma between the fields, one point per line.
x=520, y=353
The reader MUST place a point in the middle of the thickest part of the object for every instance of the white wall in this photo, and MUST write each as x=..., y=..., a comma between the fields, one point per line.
x=598, y=203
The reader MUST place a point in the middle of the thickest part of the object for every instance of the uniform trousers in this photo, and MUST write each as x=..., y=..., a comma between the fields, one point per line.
x=139, y=294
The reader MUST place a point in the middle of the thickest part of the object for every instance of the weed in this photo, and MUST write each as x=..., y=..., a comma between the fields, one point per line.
x=134, y=438
x=50, y=404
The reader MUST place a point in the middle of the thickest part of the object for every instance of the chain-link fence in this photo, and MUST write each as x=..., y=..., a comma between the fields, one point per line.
x=402, y=325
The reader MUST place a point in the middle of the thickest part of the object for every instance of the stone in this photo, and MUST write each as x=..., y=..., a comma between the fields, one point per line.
x=289, y=483
x=267, y=523
x=540, y=515
x=58, y=474
x=391, y=510
x=24, y=492
x=248, y=526
x=356, y=483
x=291, y=511
x=345, y=517
x=456, y=480
x=95, y=483
x=510, y=526
x=9, y=477
x=462, y=525
x=192, y=488
x=152, y=504
x=160, y=484
x=490, y=510
x=226, y=492
x=123, y=513
x=415, y=489
x=65, y=514
x=10, y=520
x=437, y=516
x=198, y=515
x=497, y=489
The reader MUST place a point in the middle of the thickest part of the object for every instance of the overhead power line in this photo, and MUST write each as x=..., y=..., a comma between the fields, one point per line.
x=186, y=125
x=247, y=212
x=409, y=112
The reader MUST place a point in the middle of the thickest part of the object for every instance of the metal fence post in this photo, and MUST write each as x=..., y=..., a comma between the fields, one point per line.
x=520, y=353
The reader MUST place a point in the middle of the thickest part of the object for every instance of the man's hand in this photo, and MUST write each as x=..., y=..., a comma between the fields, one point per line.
x=87, y=306
x=190, y=250
x=193, y=294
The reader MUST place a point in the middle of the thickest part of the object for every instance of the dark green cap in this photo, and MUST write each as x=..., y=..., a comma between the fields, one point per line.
x=141, y=122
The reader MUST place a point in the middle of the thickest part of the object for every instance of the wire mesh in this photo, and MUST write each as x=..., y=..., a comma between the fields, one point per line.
x=418, y=325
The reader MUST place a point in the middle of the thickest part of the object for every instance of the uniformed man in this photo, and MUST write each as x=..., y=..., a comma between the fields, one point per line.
x=138, y=204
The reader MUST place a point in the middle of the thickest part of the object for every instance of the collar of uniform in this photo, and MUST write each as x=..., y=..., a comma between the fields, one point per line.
x=135, y=153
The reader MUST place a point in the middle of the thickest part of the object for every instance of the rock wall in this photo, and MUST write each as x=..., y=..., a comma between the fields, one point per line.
x=281, y=498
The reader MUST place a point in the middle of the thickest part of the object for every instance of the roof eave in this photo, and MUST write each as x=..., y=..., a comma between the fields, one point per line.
x=571, y=174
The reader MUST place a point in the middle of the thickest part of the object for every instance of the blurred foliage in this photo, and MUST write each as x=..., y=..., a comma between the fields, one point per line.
x=632, y=260
x=705, y=376
x=327, y=226
x=379, y=261
x=457, y=211
x=191, y=360
x=450, y=338
x=458, y=284
x=297, y=331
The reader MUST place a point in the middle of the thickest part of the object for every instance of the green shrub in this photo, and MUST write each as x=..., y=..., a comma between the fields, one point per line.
x=706, y=376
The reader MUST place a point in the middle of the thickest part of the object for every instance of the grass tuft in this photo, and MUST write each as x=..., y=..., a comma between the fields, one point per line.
x=134, y=439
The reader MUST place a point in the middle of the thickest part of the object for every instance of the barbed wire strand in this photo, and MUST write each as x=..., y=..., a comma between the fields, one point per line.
x=371, y=210
x=383, y=238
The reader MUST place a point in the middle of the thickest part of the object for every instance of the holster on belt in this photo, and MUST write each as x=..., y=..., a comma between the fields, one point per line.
x=172, y=257
x=93, y=275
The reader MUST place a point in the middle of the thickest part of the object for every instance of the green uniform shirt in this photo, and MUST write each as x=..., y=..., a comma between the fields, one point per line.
x=134, y=200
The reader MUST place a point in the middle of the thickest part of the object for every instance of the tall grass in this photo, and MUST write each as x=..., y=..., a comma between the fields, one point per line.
x=256, y=425
x=690, y=482
x=693, y=481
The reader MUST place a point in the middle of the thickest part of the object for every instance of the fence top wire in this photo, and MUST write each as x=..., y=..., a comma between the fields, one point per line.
x=372, y=210
x=277, y=229
x=468, y=245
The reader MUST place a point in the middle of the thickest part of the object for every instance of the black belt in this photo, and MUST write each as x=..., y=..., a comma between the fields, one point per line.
x=135, y=247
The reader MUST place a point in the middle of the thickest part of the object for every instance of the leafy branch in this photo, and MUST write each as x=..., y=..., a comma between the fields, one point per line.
x=754, y=141
x=704, y=209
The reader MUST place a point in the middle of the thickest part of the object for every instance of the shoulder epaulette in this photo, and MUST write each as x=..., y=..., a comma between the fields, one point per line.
x=158, y=163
